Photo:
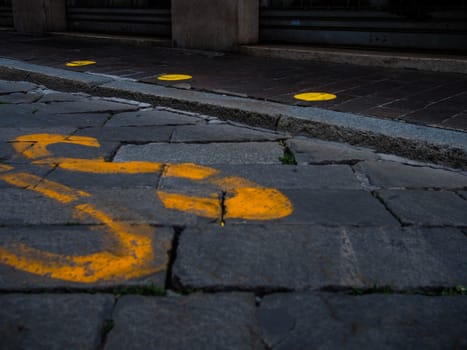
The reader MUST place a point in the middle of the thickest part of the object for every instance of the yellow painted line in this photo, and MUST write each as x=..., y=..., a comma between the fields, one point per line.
x=174, y=77
x=4, y=168
x=80, y=63
x=315, y=96
x=133, y=254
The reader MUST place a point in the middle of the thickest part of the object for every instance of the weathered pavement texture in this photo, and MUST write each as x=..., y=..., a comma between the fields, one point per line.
x=128, y=226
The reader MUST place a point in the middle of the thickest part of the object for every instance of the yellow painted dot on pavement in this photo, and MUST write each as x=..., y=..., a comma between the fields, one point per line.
x=79, y=63
x=174, y=77
x=315, y=96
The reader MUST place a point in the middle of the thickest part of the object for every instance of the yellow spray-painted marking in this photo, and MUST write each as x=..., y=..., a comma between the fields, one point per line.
x=80, y=63
x=134, y=256
x=174, y=77
x=315, y=96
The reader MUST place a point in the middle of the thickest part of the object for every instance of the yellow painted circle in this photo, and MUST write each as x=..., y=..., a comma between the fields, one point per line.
x=315, y=96
x=174, y=77
x=79, y=63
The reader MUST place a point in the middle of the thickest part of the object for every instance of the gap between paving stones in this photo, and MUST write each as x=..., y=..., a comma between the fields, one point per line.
x=408, y=140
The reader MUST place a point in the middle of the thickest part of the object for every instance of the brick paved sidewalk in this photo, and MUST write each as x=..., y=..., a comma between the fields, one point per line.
x=128, y=226
x=427, y=98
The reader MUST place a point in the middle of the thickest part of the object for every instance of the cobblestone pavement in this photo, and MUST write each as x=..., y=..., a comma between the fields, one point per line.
x=427, y=98
x=129, y=226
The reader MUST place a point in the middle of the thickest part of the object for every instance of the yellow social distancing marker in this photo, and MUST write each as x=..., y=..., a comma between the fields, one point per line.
x=80, y=63
x=174, y=77
x=315, y=96
x=134, y=257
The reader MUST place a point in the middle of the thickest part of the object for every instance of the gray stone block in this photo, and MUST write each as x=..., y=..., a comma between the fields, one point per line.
x=308, y=150
x=43, y=119
x=281, y=176
x=302, y=257
x=20, y=97
x=24, y=207
x=78, y=240
x=89, y=105
x=25, y=168
x=53, y=321
x=90, y=181
x=11, y=133
x=151, y=118
x=334, y=208
x=199, y=321
x=212, y=153
x=397, y=175
x=55, y=96
x=130, y=134
x=327, y=321
x=422, y=207
x=8, y=87
x=222, y=133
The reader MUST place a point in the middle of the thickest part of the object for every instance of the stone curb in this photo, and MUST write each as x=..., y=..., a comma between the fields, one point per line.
x=385, y=136
x=424, y=62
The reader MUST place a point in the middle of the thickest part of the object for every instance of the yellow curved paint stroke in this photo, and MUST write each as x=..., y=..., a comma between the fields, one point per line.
x=174, y=77
x=132, y=259
x=134, y=256
x=315, y=96
x=80, y=63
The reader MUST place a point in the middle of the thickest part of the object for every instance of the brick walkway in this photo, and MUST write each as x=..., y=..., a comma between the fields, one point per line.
x=427, y=98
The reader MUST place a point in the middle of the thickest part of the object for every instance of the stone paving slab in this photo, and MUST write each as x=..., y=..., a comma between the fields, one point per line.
x=281, y=176
x=73, y=241
x=23, y=207
x=131, y=205
x=418, y=207
x=53, y=321
x=129, y=134
x=152, y=117
x=222, y=133
x=326, y=321
x=333, y=208
x=56, y=96
x=212, y=153
x=23, y=168
x=222, y=321
x=20, y=97
x=8, y=87
x=10, y=134
x=91, y=182
x=396, y=175
x=312, y=257
x=308, y=150
x=45, y=120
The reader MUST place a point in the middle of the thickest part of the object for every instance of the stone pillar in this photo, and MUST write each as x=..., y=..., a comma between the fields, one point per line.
x=220, y=25
x=39, y=16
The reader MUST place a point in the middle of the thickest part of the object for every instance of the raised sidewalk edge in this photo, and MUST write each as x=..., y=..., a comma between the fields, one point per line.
x=384, y=59
x=413, y=141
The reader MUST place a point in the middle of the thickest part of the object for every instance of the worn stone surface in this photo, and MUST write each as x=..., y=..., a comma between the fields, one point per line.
x=19, y=97
x=152, y=117
x=420, y=207
x=326, y=321
x=212, y=153
x=335, y=207
x=130, y=134
x=308, y=150
x=312, y=257
x=8, y=87
x=222, y=321
x=44, y=119
x=282, y=176
x=11, y=133
x=397, y=175
x=221, y=133
x=53, y=321
x=72, y=241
